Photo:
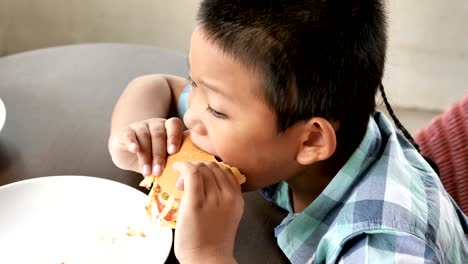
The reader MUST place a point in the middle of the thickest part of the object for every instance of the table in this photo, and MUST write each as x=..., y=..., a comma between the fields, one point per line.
x=59, y=102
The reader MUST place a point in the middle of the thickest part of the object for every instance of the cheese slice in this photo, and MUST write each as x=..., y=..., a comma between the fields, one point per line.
x=164, y=197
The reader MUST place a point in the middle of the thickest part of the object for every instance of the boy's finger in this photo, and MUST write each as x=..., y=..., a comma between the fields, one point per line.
x=210, y=186
x=158, y=147
x=174, y=129
x=180, y=183
x=231, y=178
x=193, y=182
x=129, y=140
x=222, y=180
x=144, y=141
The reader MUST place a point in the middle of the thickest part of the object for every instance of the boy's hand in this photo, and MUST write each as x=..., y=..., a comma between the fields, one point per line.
x=209, y=213
x=143, y=146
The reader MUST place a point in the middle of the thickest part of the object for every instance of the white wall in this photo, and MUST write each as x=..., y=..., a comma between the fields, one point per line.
x=2, y=26
x=428, y=48
x=34, y=24
x=428, y=52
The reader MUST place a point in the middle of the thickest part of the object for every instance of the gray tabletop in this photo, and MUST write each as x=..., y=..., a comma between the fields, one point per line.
x=59, y=103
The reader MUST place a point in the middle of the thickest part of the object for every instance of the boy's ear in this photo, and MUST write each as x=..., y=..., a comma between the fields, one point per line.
x=318, y=141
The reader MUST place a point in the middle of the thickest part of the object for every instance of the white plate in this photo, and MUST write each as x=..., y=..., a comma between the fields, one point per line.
x=77, y=219
x=2, y=114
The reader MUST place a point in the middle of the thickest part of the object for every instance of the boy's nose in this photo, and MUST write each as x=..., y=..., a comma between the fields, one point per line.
x=192, y=119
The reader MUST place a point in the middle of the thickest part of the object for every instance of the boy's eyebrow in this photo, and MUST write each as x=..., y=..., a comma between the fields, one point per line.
x=214, y=89
x=211, y=87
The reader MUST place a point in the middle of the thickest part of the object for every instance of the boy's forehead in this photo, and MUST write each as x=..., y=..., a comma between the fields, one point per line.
x=211, y=65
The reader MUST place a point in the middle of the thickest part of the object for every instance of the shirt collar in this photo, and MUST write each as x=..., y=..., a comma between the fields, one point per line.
x=295, y=229
x=360, y=159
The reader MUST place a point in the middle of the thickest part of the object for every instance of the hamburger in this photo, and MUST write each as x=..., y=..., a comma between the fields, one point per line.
x=164, y=197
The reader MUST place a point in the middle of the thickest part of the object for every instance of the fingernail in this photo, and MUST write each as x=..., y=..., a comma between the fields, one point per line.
x=171, y=149
x=133, y=147
x=157, y=170
x=180, y=184
x=146, y=170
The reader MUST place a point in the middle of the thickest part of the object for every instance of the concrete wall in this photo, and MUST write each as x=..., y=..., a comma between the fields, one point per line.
x=2, y=26
x=428, y=52
x=428, y=48
x=32, y=24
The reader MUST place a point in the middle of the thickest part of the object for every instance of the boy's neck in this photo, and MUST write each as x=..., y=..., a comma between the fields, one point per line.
x=307, y=186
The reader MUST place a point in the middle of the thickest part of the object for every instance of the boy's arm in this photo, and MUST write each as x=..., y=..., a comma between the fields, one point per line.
x=387, y=248
x=147, y=97
x=226, y=260
x=141, y=135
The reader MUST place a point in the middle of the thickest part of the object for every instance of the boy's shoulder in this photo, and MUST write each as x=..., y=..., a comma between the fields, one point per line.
x=387, y=192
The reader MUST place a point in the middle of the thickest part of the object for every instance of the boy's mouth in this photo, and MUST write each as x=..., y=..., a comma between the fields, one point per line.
x=204, y=144
x=218, y=159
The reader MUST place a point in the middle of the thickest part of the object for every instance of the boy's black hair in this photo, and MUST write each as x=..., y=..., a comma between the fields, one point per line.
x=318, y=58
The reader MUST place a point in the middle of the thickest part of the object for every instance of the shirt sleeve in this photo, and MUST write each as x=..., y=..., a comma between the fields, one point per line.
x=387, y=248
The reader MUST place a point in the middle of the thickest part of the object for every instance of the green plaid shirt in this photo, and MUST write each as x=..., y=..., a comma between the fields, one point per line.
x=386, y=205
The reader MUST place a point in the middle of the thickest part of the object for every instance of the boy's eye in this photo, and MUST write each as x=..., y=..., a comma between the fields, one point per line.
x=216, y=113
x=192, y=83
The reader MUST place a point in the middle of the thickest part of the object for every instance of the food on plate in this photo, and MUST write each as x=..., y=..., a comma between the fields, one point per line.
x=164, y=197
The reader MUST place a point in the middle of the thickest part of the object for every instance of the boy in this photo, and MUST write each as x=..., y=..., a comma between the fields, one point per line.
x=285, y=91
